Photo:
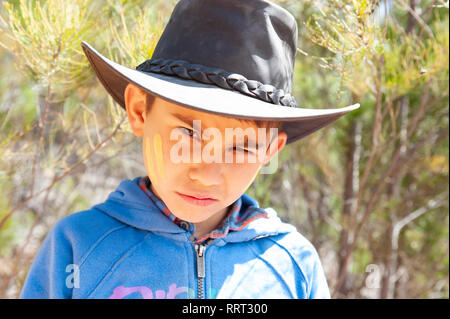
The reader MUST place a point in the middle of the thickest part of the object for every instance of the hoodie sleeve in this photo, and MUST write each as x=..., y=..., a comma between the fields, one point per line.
x=312, y=283
x=318, y=286
x=52, y=274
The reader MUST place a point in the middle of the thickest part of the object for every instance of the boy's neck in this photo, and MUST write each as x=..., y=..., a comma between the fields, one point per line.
x=206, y=226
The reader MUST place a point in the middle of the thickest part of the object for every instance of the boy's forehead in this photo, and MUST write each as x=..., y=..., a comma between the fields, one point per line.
x=187, y=115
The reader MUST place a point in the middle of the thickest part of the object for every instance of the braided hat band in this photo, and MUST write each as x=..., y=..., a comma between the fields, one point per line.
x=220, y=78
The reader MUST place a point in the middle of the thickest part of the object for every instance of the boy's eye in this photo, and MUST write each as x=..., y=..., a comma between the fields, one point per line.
x=187, y=131
x=191, y=133
x=241, y=149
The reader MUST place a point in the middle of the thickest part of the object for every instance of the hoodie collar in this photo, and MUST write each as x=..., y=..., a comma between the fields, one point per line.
x=133, y=203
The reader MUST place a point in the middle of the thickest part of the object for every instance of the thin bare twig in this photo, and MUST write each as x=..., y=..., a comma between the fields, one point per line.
x=42, y=123
x=380, y=186
x=9, y=214
x=417, y=17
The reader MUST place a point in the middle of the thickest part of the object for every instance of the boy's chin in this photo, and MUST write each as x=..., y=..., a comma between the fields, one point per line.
x=198, y=216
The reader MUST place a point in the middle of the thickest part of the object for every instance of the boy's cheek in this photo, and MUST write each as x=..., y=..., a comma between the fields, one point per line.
x=154, y=158
x=241, y=175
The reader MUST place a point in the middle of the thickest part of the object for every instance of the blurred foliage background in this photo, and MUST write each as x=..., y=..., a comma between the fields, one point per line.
x=370, y=191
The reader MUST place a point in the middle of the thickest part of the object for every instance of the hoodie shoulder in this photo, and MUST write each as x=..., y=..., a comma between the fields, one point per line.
x=85, y=219
x=83, y=229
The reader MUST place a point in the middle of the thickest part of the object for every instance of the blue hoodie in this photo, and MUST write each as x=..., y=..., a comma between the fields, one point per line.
x=127, y=247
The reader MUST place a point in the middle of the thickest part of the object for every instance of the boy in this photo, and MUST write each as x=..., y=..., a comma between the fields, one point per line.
x=208, y=107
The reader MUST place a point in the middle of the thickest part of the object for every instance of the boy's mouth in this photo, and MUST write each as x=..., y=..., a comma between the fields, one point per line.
x=200, y=200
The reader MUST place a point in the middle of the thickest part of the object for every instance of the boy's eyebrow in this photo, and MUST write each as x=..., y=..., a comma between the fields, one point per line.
x=189, y=120
x=183, y=118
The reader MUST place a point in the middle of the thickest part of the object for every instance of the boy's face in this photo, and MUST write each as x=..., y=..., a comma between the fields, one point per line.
x=169, y=135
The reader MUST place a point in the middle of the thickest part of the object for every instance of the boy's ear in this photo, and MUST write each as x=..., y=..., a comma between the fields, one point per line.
x=276, y=145
x=136, y=101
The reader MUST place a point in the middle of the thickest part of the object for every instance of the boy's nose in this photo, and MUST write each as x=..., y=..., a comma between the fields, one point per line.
x=206, y=174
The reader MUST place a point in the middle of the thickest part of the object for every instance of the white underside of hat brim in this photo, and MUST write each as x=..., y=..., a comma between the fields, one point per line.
x=205, y=97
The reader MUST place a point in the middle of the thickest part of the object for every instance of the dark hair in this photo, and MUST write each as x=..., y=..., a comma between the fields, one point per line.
x=264, y=123
x=259, y=123
x=149, y=101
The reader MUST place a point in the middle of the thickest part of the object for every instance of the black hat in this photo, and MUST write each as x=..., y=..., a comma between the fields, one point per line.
x=227, y=57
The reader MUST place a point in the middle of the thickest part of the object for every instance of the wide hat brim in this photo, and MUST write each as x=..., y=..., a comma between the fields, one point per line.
x=298, y=122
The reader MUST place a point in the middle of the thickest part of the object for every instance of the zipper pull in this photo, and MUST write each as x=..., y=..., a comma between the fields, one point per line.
x=200, y=250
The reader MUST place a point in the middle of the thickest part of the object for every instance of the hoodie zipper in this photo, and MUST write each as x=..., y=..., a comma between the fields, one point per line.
x=200, y=253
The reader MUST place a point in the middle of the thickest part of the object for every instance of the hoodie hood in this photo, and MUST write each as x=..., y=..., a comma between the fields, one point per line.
x=130, y=205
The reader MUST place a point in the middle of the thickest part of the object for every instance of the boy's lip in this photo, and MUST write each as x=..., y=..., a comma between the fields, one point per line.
x=197, y=195
x=196, y=201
